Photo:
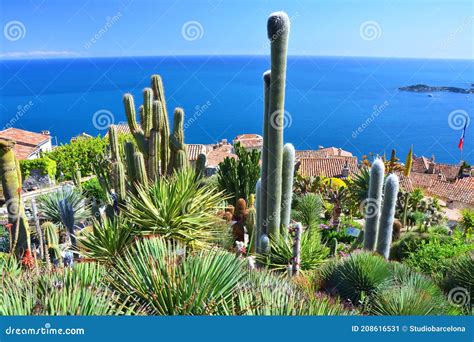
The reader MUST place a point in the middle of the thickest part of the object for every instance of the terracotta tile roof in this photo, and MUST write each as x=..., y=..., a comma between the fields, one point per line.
x=405, y=182
x=26, y=143
x=323, y=153
x=194, y=150
x=420, y=164
x=218, y=154
x=424, y=180
x=449, y=171
x=122, y=128
x=327, y=167
x=461, y=191
x=249, y=140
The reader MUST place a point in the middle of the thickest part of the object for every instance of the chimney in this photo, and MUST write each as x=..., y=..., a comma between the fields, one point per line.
x=339, y=152
x=431, y=168
x=345, y=171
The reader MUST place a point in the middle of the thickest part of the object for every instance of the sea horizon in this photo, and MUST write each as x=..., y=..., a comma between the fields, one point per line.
x=351, y=102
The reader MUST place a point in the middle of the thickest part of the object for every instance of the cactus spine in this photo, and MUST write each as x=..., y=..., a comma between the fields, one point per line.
x=287, y=184
x=387, y=217
x=278, y=27
x=373, y=204
x=11, y=183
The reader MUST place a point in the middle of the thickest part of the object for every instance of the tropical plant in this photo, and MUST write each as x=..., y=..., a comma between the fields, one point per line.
x=355, y=277
x=238, y=177
x=359, y=185
x=467, y=222
x=45, y=165
x=304, y=184
x=312, y=251
x=93, y=190
x=159, y=276
x=108, y=239
x=309, y=208
x=178, y=207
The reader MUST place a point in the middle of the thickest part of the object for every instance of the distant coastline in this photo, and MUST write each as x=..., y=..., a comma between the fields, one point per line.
x=423, y=88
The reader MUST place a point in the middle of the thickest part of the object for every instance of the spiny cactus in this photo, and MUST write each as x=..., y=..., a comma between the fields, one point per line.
x=333, y=247
x=250, y=221
x=287, y=184
x=118, y=170
x=10, y=175
x=201, y=165
x=159, y=95
x=76, y=176
x=258, y=226
x=296, y=257
x=373, y=204
x=178, y=156
x=387, y=217
x=264, y=170
x=278, y=27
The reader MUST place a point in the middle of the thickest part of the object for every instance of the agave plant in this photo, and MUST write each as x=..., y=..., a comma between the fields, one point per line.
x=108, y=239
x=64, y=207
x=313, y=252
x=178, y=208
x=263, y=292
x=355, y=277
x=460, y=275
x=159, y=276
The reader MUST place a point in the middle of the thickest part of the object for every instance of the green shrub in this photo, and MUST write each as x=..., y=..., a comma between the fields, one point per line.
x=92, y=189
x=238, y=177
x=356, y=276
x=467, y=222
x=46, y=165
x=431, y=256
x=83, y=151
x=411, y=241
x=459, y=275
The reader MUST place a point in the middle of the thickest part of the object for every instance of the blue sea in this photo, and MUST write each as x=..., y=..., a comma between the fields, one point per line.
x=348, y=102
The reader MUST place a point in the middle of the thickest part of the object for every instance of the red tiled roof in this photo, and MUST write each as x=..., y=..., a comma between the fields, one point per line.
x=218, y=154
x=449, y=171
x=327, y=167
x=461, y=191
x=323, y=153
x=194, y=150
x=420, y=164
x=26, y=142
x=249, y=140
x=424, y=180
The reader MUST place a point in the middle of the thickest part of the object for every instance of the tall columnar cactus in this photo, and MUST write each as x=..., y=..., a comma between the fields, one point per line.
x=10, y=176
x=76, y=176
x=373, y=204
x=259, y=215
x=387, y=217
x=251, y=220
x=287, y=184
x=140, y=169
x=296, y=257
x=178, y=157
x=118, y=170
x=278, y=27
x=159, y=95
x=264, y=170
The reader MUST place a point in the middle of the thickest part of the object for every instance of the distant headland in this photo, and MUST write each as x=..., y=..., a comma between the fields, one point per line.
x=423, y=88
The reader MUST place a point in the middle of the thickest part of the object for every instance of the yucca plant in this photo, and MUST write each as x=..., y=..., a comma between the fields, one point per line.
x=108, y=239
x=263, y=292
x=179, y=208
x=355, y=277
x=65, y=207
x=313, y=252
x=308, y=210
x=409, y=293
x=158, y=275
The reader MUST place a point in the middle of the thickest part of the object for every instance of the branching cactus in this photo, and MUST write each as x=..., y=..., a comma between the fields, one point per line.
x=10, y=176
x=178, y=157
x=387, y=217
x=373, y=204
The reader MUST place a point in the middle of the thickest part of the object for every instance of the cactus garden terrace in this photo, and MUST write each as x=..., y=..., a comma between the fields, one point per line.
x=143, y=223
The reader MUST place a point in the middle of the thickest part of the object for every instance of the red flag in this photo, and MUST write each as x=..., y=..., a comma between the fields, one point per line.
x=461, y=141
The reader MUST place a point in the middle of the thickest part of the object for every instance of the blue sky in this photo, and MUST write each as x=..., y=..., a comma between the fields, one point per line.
x=86, y=28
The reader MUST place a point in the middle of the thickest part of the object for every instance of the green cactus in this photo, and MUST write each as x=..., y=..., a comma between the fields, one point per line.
x=251, y=220
x=259, y=215
x=178, y=157
x=10, y=175
x=159, y=95
x=129, y=151
x=76, y=176
x=51, y=235
x=264, y=170
x=333, y=247
x=387, y=217
x=297, y=230
x=373, y=204
x=287, y=184
x=147, y=120
x=140, y=169
x=201, y=165
x=278, y=27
